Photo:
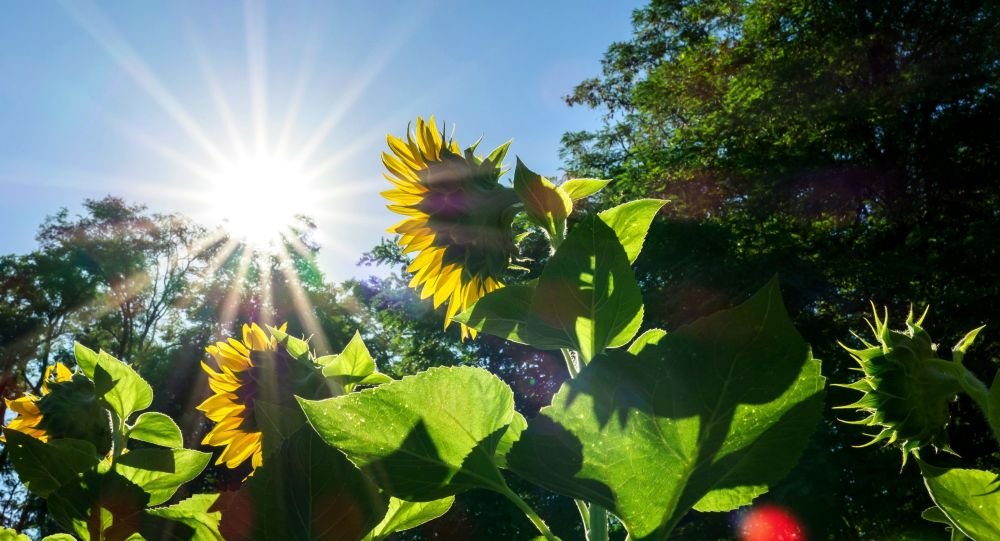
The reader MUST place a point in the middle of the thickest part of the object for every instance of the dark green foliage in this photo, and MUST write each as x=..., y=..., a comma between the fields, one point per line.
x=847, y=146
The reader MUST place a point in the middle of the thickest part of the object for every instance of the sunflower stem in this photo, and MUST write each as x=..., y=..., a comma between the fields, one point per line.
x=530, y=513
x=970, y=384
x=598, y=523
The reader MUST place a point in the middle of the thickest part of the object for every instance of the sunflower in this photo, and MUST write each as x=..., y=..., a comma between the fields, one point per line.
x=458, y=216
x=29, y=416
x=231, y=407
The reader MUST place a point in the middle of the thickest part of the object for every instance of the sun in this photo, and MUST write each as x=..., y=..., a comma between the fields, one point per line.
x=258, y=199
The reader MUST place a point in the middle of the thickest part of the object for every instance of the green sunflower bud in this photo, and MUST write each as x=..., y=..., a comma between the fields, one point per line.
x=546, y=204
x=907, y=388
x=71, y=409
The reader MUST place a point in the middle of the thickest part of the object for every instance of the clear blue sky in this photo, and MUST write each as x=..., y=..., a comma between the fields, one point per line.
x=128, y=98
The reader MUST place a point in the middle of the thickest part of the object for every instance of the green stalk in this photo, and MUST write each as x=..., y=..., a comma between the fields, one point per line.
x=970, y=384
x=598, y=523
x=530, y=513
x=118, y=436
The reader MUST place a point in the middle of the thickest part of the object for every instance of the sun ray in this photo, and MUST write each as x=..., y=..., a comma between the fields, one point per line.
x=218, y=98
x=360, y=82
x=255, y=31
x=165, y=151
x=104, y=32
x=301, y=303
x=303, y=77
x=266, y=294
x=231, y=303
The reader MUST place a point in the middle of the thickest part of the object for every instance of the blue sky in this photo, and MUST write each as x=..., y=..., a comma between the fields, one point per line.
x=134, y=98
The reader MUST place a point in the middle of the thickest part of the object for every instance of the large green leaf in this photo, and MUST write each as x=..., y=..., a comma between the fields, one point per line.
x=935, y=514
x=630, y=222
x=99, y=504
x=423, y=437
x=121, y=387
x=994, y=407
x=105, y=505
x=157, y=428
x=403, y=515
x=587, y=296
x=194, y=514
x=502, y=313
x=305, y=491
x=160, y=472
x=969, y=498
x=711, y=414
x=45, y=467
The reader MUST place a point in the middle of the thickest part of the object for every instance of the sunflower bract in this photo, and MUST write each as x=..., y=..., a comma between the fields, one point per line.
x=458, y=216
x=906, y=391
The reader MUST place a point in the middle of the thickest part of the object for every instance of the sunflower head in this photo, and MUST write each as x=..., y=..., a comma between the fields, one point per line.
x=457, y=216
x=906, y=388
x=254, y=373
x=68, y=408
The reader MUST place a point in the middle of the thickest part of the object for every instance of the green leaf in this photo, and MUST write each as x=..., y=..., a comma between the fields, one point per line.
x=99, y=504
x=375, y=378
x=277, y=423
x=305, y=491
x=499, y=153
x=513, y=433
x=425, y=436
x=587, y=296
x=579, y=188
x=631, y=221
x=935, y=514
x=994, y=407
x=45, y=467
x=969, y=498
x=963, y=345
x=159, y=472
x=59, y=537
x=195, y=513
x=352, y=366
x=648, y=338
x=157, y=428
x=719, y=410
x=403, y=515
x=121, y=387
x=296, y=347
x=86, y=358
x=546, y=204
x=501, y=313
x=7, y=534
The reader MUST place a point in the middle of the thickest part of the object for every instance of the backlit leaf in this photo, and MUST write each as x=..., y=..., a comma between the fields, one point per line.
x=720, y=410
x=969, y=498
x=424, y=437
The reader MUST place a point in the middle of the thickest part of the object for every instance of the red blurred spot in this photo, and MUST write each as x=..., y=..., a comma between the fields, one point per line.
x=770, y=523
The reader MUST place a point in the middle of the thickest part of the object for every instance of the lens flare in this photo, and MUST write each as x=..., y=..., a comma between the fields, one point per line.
x=770, y=523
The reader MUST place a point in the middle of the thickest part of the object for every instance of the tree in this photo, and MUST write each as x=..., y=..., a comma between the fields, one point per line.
x=844, y=145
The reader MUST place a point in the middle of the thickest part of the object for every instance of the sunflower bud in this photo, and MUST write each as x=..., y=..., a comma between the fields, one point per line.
x=546, y=204
x=907, y=388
